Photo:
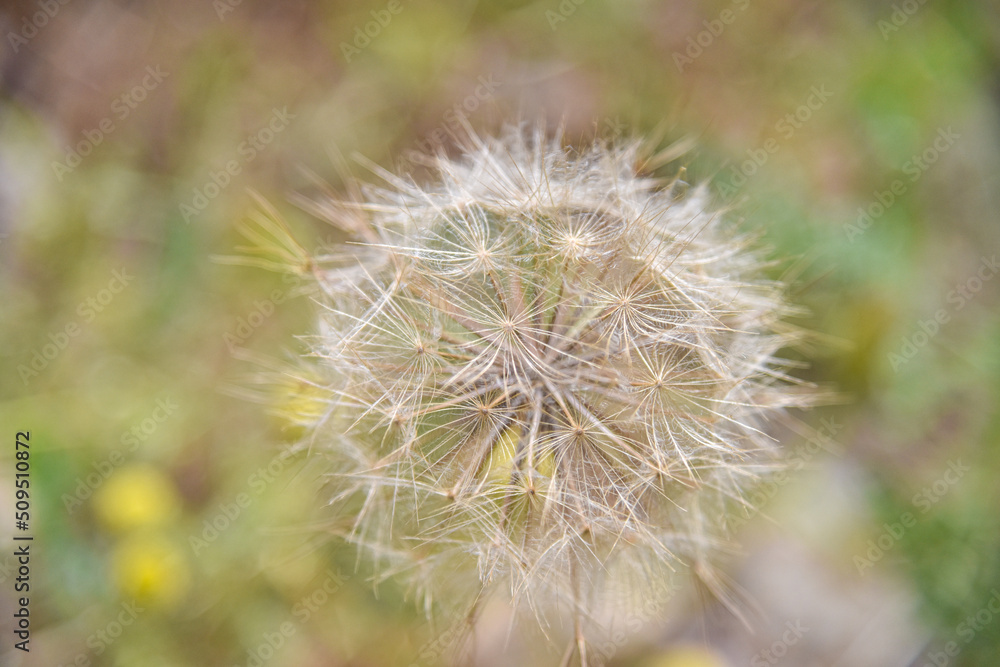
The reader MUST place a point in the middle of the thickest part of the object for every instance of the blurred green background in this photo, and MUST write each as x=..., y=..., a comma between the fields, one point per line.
x=861, y=138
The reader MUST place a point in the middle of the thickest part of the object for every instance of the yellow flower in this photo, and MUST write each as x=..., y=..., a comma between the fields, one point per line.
x=151, y=569
x=135, y=496
x=299, y=403
x=687, y=656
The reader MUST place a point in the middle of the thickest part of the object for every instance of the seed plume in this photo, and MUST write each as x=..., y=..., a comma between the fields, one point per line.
x=548, y=374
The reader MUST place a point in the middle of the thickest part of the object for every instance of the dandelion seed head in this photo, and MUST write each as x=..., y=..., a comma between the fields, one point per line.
x=547, y=371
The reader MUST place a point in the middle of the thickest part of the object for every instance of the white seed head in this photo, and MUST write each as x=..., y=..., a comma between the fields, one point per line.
x=547, y=371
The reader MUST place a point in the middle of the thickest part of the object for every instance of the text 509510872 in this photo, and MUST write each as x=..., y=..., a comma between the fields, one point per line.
x=22, y=555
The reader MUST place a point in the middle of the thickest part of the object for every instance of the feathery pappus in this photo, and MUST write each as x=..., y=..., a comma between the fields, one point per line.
x=545, y=374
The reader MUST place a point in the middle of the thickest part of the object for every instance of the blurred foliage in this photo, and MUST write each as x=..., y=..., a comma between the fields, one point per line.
x=195, y=514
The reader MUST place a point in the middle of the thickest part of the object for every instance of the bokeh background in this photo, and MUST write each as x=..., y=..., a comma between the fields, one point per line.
x=862, y=139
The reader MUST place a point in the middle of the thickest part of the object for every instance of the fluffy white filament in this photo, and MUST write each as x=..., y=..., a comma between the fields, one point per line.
x=546, y=372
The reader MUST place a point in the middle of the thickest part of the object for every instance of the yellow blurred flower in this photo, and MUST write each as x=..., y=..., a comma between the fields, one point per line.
x=298, y=402
x=135, y=496
x=687, y=656
x=151, y=569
